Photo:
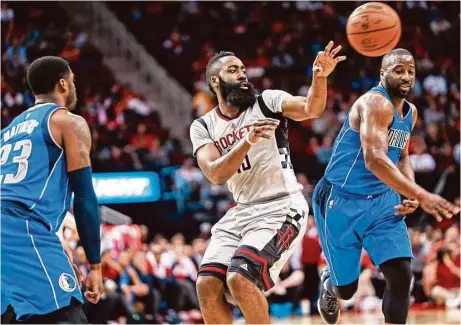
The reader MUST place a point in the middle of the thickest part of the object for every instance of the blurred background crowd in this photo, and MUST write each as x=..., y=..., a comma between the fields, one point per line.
x=150, y=270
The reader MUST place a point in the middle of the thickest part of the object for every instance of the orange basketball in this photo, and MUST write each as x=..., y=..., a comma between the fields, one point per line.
x=373, y=29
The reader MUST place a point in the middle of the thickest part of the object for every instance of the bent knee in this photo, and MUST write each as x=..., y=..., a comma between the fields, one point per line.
x=347, y=291
x=209, y=286
x=234, y=280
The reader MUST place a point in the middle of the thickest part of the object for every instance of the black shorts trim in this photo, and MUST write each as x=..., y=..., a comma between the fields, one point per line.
x=217, y=270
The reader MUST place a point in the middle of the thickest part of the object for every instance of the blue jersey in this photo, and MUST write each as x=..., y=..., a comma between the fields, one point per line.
x=346, y=168
x=33, y=176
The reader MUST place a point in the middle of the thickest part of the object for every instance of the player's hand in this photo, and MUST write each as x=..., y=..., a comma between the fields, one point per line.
x=326, y=60
x=279, y=290
x=94, y=286
x=263, y=128
x=408, y=206
x=437, y=206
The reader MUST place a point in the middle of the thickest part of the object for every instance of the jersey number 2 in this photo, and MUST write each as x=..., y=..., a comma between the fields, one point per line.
x=22, y=160
x=245, y=165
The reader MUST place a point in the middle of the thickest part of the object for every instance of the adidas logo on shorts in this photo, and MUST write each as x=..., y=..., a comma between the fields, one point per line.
x=244, y=266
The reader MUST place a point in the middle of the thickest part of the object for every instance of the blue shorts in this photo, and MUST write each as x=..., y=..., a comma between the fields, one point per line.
x=36, y=275
x=346, y=222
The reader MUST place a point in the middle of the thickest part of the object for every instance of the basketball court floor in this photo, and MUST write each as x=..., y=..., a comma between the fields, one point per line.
x=415, y=317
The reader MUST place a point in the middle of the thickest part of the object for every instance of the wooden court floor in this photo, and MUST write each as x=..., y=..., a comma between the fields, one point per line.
x=415, y=317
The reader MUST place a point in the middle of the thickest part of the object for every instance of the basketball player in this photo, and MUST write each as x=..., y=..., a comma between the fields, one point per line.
x=357, y=203
x=44, y=159
x=244, y=142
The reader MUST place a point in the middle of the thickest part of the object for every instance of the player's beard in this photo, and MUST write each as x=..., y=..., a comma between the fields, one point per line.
x=394, y=90
x=235, y=96
x=71, y=100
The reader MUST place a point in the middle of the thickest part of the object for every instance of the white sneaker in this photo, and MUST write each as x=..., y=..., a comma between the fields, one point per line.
x=452, y=303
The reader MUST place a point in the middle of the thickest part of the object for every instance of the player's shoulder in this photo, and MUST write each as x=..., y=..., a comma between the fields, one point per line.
x=64, y=116
x=375, y=101
x=65, y=122
x=205, y=120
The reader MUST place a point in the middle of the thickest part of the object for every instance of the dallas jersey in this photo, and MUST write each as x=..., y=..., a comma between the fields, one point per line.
x=266, y=172
x=353, y=209
x=33, y=168
x=346, y=168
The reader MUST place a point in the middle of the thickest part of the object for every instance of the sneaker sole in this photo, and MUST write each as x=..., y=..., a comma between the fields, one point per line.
x=318, y=307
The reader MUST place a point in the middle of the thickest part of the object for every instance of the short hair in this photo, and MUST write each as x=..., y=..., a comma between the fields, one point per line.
x=214, y=66
x=44, y=73
x=395, y=52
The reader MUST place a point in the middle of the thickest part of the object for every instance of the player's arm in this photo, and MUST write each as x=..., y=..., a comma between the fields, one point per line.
x=74, y=135
x=300, y=108
x=375, y=118
x=218, y=169
x=404, y=163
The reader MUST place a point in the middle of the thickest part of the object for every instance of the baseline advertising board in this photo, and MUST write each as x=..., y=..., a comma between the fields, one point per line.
x=133, y=187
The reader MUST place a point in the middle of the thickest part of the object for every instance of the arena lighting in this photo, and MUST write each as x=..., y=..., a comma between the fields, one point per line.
x=133, y=187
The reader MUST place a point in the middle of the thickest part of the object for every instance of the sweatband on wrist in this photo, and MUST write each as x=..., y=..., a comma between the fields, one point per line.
x=247, y=139
x=86, y=211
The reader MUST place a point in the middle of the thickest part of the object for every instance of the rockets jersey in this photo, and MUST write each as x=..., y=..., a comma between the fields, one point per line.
x=266, y=172
x=33, y=176
x=346, y=168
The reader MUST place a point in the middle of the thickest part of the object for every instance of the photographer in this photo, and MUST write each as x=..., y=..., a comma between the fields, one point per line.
x=441, y=278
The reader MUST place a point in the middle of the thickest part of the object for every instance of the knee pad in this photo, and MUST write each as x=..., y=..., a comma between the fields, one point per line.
x=398, y=275
x=347, y=291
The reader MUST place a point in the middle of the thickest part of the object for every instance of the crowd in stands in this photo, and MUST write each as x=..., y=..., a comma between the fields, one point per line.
x=278, y=41
x=127, y=133
x=150, y=279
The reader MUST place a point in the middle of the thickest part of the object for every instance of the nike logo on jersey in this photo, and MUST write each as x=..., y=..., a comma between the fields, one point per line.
x=398, y=138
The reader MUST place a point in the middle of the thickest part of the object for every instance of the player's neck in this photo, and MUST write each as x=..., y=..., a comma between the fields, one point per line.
x=228, y=110
x=48, y=98
x=398, y=103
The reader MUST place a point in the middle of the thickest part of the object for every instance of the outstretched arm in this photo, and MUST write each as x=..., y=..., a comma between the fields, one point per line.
x=301, y=108
x=376, y=115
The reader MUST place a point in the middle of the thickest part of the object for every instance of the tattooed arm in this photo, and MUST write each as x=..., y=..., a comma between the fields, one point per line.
x=71, y=132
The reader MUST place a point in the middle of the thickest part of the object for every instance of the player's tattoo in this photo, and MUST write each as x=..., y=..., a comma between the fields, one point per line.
x=82, y=132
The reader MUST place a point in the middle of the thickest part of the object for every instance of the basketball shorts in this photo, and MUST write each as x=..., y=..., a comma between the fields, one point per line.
x=346, y=222
x=256, y=240
x=37, y=277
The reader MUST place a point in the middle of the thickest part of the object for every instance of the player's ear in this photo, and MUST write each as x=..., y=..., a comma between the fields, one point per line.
x=381, y=74
x=215, y=81
x=62, y=85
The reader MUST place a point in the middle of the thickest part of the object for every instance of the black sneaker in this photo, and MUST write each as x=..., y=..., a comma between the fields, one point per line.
x=327, y=304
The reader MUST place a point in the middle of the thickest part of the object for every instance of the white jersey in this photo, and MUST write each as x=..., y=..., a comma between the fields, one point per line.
x=266, y=172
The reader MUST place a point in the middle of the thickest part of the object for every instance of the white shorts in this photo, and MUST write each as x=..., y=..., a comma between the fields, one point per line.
x=256, y=240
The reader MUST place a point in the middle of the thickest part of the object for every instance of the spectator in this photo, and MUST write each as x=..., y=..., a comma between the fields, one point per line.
x=16, y=49
x=435, y=84
x=284, y=297
x=441, y=278
x=310, y=260
x=7, y=13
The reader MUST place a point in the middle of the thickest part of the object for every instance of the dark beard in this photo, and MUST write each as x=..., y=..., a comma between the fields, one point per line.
x=235, y=96
x=396, y=92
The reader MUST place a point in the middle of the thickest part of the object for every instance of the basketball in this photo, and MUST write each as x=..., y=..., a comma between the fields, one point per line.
x=373, y=29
